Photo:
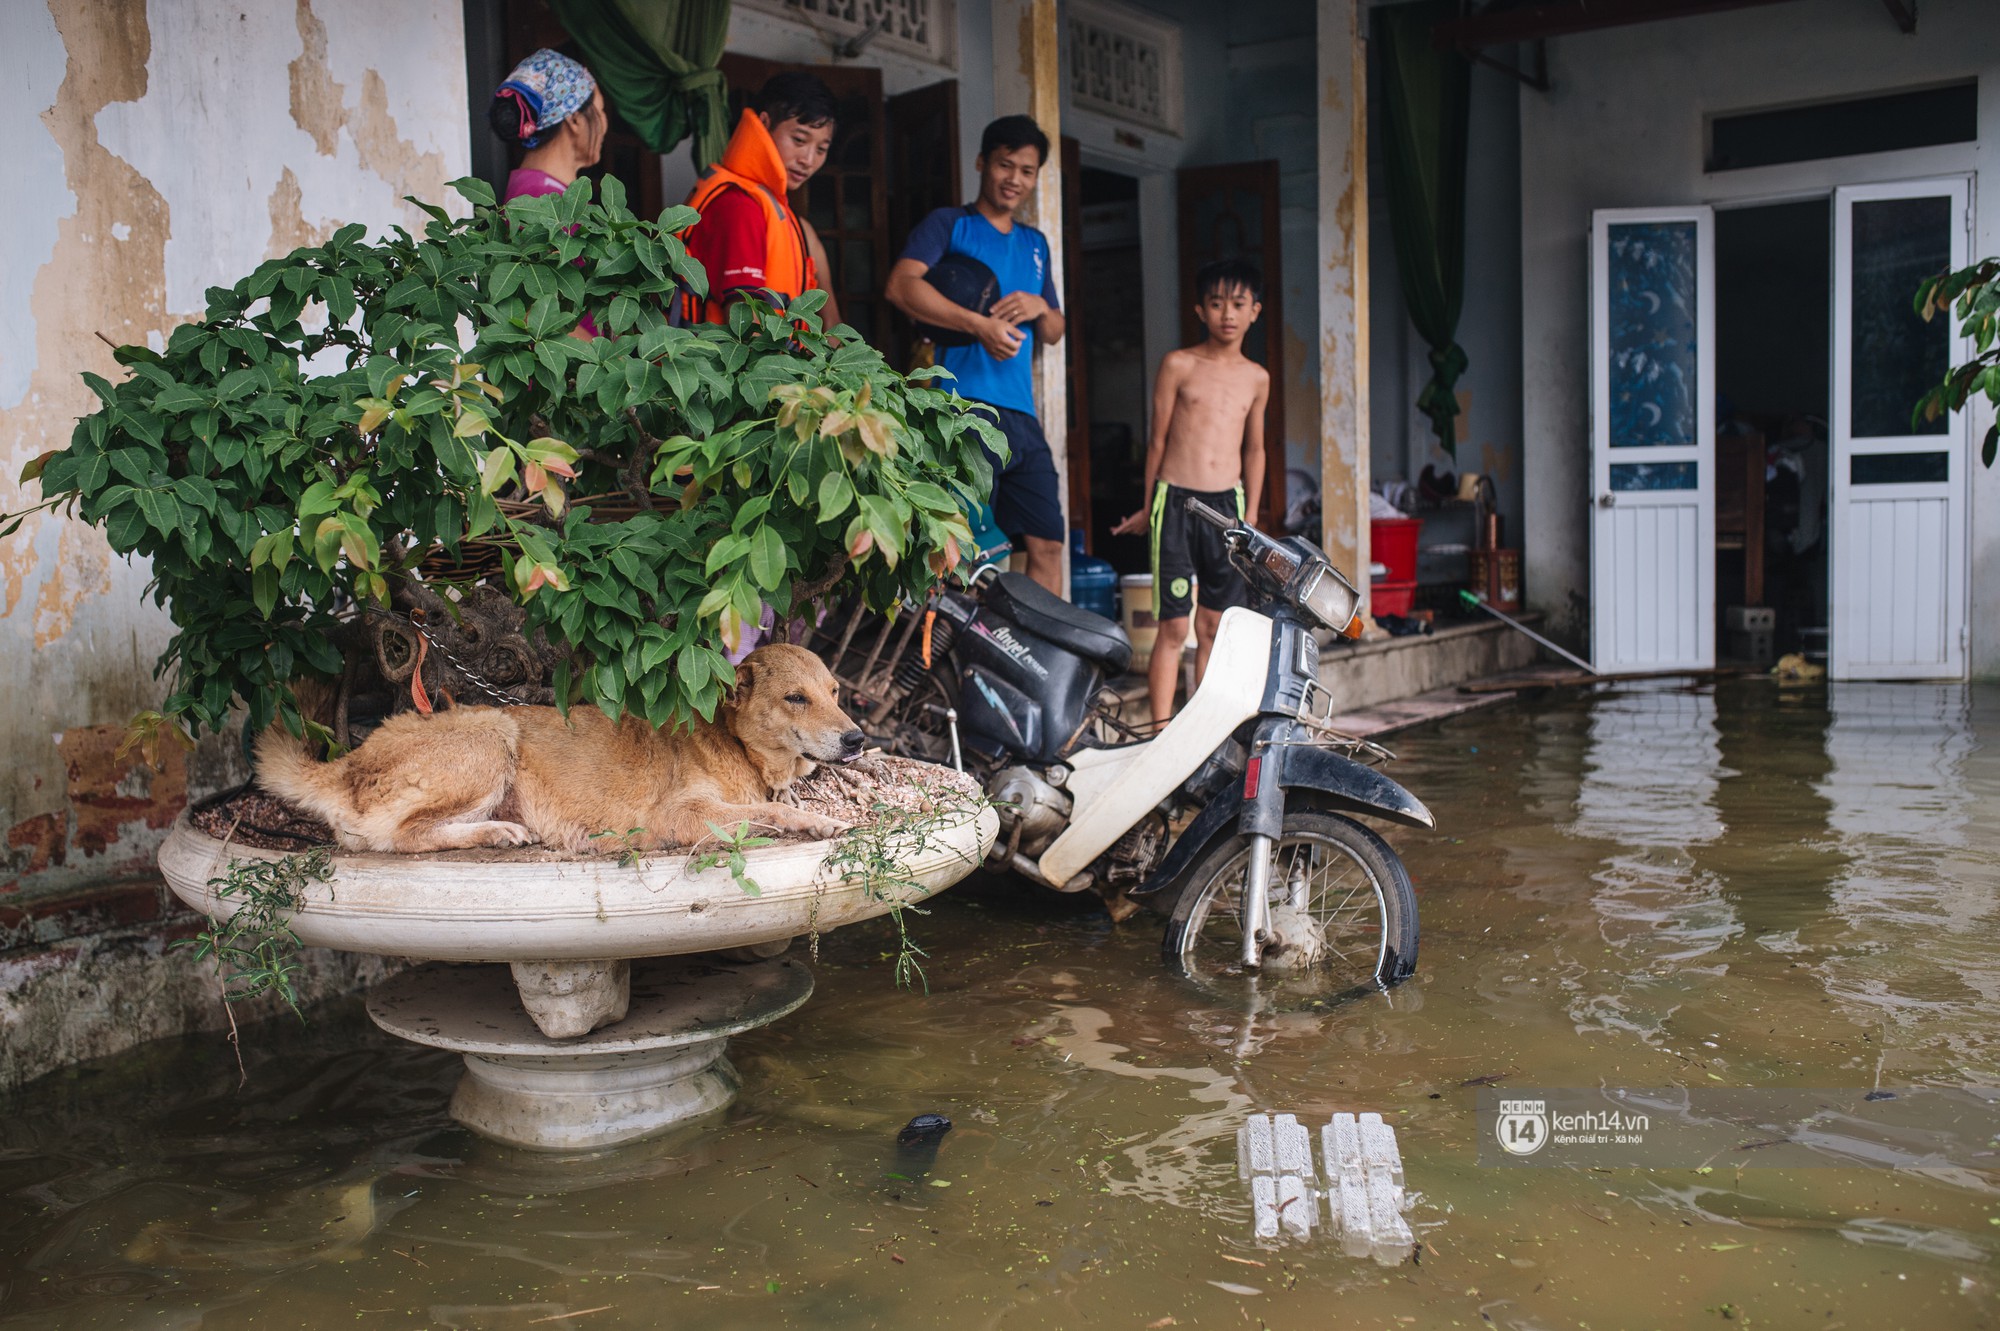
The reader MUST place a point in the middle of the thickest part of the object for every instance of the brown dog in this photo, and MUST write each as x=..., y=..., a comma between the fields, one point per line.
x=505, y=776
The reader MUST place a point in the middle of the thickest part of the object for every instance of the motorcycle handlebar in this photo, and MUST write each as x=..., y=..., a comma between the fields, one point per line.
x=1214, y=519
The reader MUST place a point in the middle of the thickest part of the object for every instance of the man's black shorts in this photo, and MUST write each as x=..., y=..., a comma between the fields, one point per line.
x=1025, y=498
x=1185, y=549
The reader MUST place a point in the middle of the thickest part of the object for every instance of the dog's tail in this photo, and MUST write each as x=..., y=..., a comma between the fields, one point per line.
x=286, y=768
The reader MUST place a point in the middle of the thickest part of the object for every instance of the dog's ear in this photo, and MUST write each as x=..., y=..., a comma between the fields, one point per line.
x=746, y=676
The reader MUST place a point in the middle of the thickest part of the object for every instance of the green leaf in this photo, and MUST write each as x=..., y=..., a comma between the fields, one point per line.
x=545, y=318
x=317, y=499
x=715, y=602
x=326, y=543
x=726, y=551
x=767, y=558
x=496, y=469
x=835, y=494
x=264, y=589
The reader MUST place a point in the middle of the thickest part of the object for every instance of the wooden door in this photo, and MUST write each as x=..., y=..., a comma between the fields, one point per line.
x=530, y=27
x=1652, y=432
x=923, y=177
x=847, y=202
x=1899, y=487
x=1231, y=212
x=1080, y=516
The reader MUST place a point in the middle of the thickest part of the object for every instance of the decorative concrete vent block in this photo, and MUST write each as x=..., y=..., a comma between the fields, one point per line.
x=1364, y=1182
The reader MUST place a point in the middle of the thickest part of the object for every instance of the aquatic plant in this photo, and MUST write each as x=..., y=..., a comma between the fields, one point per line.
x=879, y=852
x=254, y=951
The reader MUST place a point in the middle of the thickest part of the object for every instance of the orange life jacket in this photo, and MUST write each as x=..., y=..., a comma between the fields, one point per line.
x=751, y=164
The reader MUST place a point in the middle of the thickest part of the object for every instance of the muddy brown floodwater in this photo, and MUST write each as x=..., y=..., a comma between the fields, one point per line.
x=1732, y=886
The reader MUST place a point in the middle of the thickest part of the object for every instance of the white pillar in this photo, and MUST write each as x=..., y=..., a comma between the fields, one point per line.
x=1343, y=286
x=1027, y=80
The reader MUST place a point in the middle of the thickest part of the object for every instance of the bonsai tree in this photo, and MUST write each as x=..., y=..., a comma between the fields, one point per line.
x=400, y=459
x=1976, y=293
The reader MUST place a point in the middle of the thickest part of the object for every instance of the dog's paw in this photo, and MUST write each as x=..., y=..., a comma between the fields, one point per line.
x=820, y=827
x=511, y=834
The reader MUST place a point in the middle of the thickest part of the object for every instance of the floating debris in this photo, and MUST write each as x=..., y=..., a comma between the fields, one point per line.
x=1364, y=1182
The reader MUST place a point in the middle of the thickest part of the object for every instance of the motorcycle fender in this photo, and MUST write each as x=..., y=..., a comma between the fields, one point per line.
x=1334, y=780
x=1348, y=785
x=1216, y=818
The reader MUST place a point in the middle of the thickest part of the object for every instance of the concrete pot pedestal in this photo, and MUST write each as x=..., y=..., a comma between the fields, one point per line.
x=662, y=1064
x=567, y=1045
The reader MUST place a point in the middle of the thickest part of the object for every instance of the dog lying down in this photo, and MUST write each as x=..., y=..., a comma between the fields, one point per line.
x=507, y=776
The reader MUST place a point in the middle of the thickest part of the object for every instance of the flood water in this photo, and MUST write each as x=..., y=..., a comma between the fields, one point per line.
x=1729, y=886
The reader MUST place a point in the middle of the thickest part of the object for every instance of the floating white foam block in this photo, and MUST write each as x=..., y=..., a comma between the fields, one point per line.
x=1378, y=1145
x=1364, y=1182
x=1255, y=1154
x=1293, y=1145
x=1264, y=1204
x=1297, y=1207
x=1283, y=1202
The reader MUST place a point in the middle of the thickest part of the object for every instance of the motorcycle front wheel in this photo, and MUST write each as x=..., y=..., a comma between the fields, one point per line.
x=1343, y=914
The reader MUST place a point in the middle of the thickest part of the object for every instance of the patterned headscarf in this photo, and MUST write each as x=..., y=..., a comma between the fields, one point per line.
x=549, y=87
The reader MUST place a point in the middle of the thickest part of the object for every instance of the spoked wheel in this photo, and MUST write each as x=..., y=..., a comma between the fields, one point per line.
x=1343, y=915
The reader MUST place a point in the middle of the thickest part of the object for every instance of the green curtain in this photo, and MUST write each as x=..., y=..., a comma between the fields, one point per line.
x=1426, y=98
x=655, y=61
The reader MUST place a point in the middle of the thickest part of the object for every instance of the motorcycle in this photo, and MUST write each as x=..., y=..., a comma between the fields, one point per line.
x=1272, y=875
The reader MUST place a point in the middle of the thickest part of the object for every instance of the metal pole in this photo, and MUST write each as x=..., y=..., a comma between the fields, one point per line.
x=1473, y=599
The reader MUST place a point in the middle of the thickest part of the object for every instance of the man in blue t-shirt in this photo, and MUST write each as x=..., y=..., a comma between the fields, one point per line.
x=995, y=367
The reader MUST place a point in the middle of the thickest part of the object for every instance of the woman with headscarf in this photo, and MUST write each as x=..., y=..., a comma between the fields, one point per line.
x=551, y=107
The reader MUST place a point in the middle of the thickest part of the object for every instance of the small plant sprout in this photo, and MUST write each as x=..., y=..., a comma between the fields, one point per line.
x=730, y=855
x=630, y=852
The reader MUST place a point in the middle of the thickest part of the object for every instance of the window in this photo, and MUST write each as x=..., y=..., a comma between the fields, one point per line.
x=923, y=28
x=1888, y=123
x=1124, y=64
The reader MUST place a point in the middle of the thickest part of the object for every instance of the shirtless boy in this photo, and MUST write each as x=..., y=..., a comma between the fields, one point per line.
x=1208, y=443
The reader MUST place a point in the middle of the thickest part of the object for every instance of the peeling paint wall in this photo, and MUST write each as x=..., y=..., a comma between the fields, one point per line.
x=157, y=150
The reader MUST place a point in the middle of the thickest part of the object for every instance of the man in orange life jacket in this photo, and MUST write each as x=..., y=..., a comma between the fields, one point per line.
x=750, y=240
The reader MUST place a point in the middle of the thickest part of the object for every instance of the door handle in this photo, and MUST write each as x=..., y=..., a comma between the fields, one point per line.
x=1607, y=501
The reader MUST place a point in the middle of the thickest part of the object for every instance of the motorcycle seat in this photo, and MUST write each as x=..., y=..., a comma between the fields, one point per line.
x=1018, y=597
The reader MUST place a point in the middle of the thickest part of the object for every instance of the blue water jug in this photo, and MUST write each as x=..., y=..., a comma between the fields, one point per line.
x=1093, y=583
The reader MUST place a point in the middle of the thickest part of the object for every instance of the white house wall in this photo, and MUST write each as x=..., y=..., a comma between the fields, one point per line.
x=155, y=151
x=1623, y=127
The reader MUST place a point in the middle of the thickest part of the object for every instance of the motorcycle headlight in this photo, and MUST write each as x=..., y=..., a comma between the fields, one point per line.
x=1327, y=596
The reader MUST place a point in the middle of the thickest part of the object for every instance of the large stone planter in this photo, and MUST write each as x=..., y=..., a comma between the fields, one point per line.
x=563, y=1050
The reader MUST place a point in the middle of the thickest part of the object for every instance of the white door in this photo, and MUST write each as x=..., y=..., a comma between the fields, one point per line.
x=1897, y=516
x=1652, y=375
